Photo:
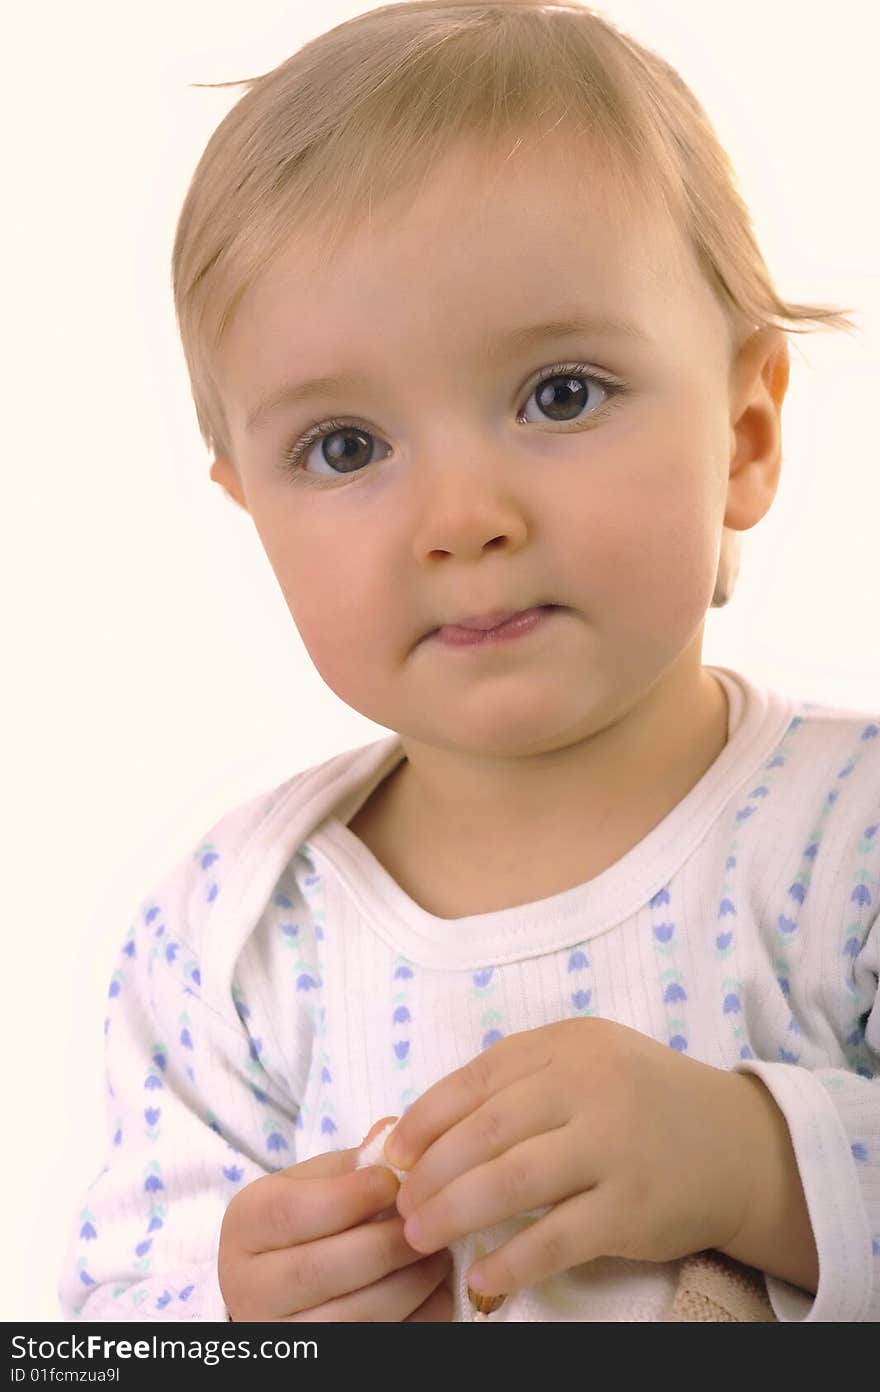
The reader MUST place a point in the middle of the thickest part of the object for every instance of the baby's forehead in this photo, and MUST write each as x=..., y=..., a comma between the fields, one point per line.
x=531, y=216
x=477, y=243
x=507, y=183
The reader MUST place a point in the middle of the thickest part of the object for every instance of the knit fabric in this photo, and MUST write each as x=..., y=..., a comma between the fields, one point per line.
x=279, y=992
x=717, y=1289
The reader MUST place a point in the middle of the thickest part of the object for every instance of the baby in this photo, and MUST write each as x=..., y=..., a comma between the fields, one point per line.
x=480, y=337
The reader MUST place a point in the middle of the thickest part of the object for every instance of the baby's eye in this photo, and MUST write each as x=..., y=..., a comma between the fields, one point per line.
x=562, y=396
x=340, y=445
x=344, y=447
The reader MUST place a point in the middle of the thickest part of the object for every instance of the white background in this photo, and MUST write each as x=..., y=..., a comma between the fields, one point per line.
x=154, y=675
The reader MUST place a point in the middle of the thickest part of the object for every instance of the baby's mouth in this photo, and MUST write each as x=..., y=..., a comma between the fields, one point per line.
x=489, y=623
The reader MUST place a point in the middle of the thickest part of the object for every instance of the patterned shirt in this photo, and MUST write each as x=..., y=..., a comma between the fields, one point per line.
x=279, y=992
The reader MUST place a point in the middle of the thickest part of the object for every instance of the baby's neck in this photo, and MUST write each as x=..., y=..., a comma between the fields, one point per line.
x=480, y=851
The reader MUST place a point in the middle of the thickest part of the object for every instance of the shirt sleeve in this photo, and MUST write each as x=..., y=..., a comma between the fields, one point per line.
x=192, y=1117
x=833, y=1117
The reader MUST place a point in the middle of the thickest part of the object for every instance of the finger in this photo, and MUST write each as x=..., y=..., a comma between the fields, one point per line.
x=541, y=1171
x=566, y=1236
x=374, y=1143
x=336, y=1162
x=527, y=1108
x=325, y=1166
x=437, y=1309
x=279, y=1211
x=463, y=1091
x=391, y=1299
x=313, y=1273
x=376, y=1128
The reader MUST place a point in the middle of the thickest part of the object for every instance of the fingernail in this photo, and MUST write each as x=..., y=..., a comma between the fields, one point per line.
x=393, y=1154
x=485, y=1304
x=404, y=1202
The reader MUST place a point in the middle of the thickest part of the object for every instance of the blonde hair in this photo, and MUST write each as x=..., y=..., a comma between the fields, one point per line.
x=364, y=110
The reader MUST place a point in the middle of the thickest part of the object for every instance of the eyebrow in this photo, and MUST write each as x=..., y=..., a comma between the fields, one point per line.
x=289, y=393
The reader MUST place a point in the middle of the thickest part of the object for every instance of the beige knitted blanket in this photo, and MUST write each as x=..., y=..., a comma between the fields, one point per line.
x=717, y=1288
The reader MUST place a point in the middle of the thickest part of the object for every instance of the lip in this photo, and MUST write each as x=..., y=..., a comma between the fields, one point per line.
x=494, y=619
x=495, y=627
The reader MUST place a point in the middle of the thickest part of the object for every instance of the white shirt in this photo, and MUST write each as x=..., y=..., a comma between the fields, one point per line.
x=279, y=992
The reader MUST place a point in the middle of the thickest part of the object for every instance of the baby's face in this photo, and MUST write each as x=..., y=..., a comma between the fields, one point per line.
x=462, y=482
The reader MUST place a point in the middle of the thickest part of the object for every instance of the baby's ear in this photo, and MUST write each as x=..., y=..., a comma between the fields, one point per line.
x=224, y=472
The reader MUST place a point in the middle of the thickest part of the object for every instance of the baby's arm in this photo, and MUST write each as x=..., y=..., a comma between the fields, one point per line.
x=192, y=1118
x=832, y=1116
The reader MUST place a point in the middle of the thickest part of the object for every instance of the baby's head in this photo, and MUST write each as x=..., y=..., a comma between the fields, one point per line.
x=400, y=205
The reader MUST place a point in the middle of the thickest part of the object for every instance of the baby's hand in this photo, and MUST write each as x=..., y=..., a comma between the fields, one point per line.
x=629, y=1148
x=310, y=1243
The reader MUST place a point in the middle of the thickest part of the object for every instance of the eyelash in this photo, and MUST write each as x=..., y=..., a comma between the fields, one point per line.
x=291, y=462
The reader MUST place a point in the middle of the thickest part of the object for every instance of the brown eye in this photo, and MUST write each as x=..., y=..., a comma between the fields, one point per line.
x=341, y=447
x=346, y=449
x=564, y=396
